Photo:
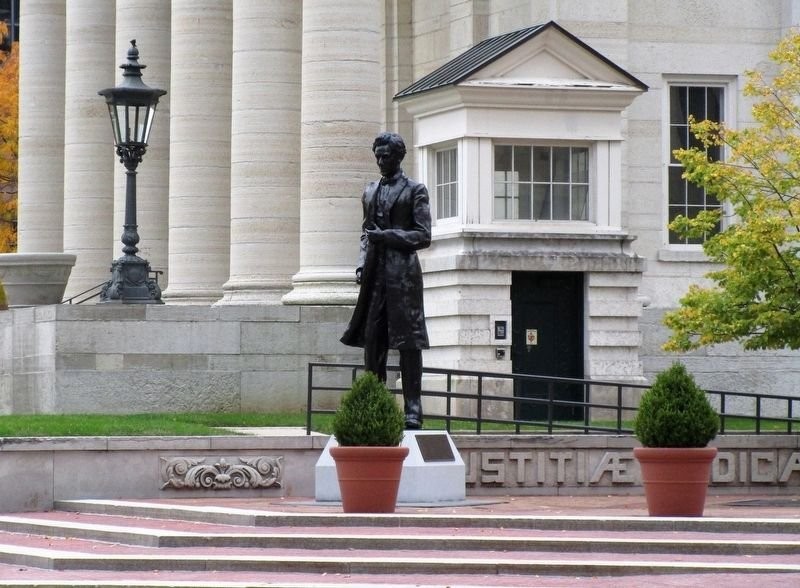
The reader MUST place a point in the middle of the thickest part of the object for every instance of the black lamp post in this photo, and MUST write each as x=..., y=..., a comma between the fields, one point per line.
x=132, y=107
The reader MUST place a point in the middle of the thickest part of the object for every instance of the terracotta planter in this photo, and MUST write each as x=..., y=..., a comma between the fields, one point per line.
x=675, y=479
x=369, y=477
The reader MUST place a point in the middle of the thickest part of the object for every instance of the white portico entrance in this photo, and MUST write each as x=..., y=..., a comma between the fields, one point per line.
x=519, y=140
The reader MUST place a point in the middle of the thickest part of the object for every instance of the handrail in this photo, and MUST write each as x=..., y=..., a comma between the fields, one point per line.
x=98, y=287
x=761, y=408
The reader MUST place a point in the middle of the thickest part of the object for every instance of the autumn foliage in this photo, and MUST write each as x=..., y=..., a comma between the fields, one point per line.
x=755, y=296
x=9, y=137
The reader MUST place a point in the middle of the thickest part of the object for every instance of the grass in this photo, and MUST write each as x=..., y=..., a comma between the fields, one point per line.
x=202, y=424
x=172, y=424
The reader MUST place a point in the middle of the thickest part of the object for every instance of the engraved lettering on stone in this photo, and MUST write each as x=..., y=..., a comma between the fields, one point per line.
x=493, y=466
x=616, y=464
x=723, y=470
x=540, y=465
x=250, y=472
x=472, y=467
x=576, y=468
x=792, y=465
x=560, y=457
x=763, y=467
x=521, y=457
x=743, y=467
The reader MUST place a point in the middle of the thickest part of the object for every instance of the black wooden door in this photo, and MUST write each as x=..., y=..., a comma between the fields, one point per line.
x=547, y=338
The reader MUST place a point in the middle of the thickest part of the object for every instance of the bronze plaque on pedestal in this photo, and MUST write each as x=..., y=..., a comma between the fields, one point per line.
x=435, y=448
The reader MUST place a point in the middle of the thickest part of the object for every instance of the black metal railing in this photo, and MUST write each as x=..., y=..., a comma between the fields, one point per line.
x=602, y=407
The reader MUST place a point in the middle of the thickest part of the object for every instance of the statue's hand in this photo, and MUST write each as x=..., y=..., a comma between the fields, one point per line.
x=358, y=275
x=375, y=235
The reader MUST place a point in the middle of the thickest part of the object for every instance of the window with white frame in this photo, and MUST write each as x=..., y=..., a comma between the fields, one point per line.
x=534, y=182
x=446, y=184
x=703, y=102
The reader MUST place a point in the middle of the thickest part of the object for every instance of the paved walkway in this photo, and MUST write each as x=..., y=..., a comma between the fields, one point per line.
x=753, y=506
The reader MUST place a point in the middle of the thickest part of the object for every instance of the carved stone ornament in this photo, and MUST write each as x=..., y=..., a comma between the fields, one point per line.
x=191, y=473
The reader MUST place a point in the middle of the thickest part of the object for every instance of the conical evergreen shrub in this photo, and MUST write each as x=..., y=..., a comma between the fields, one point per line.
x=674, y=412
x=368, y=415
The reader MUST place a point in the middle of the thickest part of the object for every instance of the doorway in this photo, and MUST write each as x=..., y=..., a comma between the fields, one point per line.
x=547, y=339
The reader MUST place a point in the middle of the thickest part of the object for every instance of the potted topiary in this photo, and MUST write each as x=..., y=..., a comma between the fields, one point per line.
x=368, y=427
x=675, y=423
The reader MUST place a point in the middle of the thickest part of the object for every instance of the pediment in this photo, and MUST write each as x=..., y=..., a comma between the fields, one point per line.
x=542, y=56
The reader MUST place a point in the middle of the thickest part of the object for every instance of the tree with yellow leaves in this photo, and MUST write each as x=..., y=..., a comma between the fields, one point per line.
x=9, y=140
x=754, y=298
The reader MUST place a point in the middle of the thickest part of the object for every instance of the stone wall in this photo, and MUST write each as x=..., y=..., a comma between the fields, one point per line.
x=591, y=464
x=49, y=469
x=721, y=367
x=153, y=358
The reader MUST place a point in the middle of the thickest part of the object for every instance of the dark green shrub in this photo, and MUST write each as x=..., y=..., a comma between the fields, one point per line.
x=3, y=300
x=368, y=415
x=674, y=412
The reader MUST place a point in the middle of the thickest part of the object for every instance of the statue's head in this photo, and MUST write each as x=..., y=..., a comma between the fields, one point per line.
x=389, y=150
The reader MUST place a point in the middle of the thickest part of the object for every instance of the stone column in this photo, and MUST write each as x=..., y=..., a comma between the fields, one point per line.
x=200, y=151
x=41, y=127
x=89, y=158
x=341, y=75
x=148, y=22
x=398, y=65
x=265, y=151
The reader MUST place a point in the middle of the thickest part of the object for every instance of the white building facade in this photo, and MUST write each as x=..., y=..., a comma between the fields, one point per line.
x=542, y=128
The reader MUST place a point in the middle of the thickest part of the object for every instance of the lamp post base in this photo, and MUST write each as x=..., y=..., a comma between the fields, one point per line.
x=131, y=283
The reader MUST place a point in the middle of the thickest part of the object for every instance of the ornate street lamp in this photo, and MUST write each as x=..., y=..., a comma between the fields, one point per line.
x=132, y=107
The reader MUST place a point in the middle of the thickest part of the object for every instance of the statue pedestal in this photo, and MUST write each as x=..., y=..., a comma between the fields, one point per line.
x=433, y=471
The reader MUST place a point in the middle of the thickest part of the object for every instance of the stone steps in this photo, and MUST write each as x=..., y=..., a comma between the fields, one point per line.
x=260, y=518
x=103, y=528
x=97, y=540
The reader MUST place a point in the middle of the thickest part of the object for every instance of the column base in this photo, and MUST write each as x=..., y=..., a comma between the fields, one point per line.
x=330, y=288
x=242, y=293
x=187, y=295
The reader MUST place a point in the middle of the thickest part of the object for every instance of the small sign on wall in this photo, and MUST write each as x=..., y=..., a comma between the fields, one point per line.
x=531, y=337
x=500, y=329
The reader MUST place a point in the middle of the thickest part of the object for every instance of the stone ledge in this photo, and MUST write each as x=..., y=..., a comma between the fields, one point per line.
x=47, y=469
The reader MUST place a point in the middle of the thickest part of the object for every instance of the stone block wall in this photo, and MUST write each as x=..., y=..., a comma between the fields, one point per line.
x=152, y=358
x=721, y=367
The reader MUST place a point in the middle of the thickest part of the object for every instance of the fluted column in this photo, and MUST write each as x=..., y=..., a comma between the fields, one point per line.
x=200, y=151
x=40, y=183
x=265, y=150
x=88, y=143
x=148, y=22
x=341, y=107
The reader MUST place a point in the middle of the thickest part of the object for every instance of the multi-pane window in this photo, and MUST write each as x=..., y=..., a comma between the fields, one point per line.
x=541, y=182
x=685, y=198
x=446, y=183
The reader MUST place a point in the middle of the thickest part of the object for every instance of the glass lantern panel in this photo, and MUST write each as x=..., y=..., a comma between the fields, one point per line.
x=147, y=124
x=114, y=112
x=127, y=135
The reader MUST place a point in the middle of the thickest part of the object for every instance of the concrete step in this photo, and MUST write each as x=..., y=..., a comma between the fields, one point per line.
x=142, y=532
x=149, y=543
x=348, y=563
x=250, y=517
